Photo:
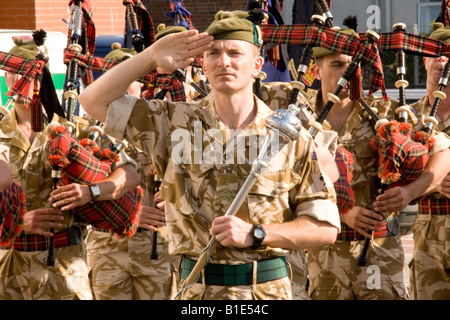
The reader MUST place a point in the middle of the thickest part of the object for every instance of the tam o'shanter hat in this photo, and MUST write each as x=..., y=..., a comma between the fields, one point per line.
x=35, y=50
x=440, y=32
x=163, y=30
x=352, y=23
x=238, y=25
x=30, y=48
x=119, y=53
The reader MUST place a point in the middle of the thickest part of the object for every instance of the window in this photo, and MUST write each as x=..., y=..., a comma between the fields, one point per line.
x=427, y=12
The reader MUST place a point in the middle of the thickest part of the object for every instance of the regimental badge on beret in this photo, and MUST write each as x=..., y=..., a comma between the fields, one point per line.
x=163, y=30
x=238, y=25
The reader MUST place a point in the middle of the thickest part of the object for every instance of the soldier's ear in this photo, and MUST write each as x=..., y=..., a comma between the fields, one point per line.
x=316, y=71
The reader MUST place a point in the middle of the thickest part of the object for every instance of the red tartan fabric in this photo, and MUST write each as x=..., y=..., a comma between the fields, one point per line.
x=172, y=82
x=411, y=44
x=12, y=210
x=332, y=40
x=90, y=62
x=36, y=242
x=344, y=191
x=142, y=15
x=434, y=206
x=401, y=159
x=29, y=69
x=80, y=166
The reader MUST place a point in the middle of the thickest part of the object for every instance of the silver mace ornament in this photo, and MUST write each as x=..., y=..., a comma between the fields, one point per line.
x=283, y=127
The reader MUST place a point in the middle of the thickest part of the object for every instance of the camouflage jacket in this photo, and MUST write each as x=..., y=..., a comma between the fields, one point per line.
x=355, y=136
x=29, y=165
x=203, y=169
x=422, y=109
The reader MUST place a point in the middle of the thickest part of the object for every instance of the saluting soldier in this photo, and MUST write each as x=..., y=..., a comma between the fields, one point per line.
x=286, y=205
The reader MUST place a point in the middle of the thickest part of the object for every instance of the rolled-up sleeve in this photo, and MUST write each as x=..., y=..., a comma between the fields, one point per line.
x=119, y=113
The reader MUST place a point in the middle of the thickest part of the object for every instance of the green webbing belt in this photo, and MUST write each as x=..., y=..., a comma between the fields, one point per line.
x=241, y=274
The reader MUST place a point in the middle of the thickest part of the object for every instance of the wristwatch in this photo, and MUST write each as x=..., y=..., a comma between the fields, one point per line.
x=258, y=233
x=95, y=191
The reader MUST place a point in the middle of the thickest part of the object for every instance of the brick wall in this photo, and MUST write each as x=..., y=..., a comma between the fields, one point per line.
x=108, y=15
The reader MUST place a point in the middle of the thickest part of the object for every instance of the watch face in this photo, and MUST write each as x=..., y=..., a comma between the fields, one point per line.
x=259, y=233
x=95, y=190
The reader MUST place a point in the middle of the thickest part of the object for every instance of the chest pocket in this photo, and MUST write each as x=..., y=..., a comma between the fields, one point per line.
x=268, y=199
x=188, y=186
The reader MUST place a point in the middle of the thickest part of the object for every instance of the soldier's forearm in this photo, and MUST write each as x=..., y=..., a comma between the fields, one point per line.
x=118, y=183
x=436, y=169
x=5, y=175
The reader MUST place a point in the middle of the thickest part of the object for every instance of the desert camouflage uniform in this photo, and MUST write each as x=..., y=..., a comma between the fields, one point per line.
x=196, y=191
x=333, y=270
x=430, y=266
x=23, y=273
x=121, y=269
x=276, y=96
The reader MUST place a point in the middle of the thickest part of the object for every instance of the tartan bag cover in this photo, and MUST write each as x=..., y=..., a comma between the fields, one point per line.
x=344, y=191
x=12, y=210
x=79, y=166
x=401, y=159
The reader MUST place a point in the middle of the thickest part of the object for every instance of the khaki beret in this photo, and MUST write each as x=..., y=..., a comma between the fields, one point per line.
x=319, y=52
x=235, y=25
x=163, y=30
x=30, y=48
x=119, y=53
x=440, y=32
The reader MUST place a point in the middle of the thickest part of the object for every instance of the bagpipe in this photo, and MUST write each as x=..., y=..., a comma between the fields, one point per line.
x=85, y=163
x=139, y=26
x=81, y=39
x=394, y=160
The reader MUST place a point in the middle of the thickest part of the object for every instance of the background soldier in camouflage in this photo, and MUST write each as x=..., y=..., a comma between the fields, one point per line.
x=296, y=209
x=22, y=269
x=430, y=266
x=121, y=269
x=277, y=95
x=24, y=274
x=333, y=270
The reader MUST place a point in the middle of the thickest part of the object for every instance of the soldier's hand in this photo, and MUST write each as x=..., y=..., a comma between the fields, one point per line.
x=151, y=218
x=394, y=199
x=178, y=50
x=160, y=203
x=40, y=220
x=70, y=196
x=361, y=220
x=232, y=231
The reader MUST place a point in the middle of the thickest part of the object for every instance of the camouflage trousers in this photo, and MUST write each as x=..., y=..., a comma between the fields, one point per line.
x=121, y=269
x=430, y=265
x=335, y=275
x=297, y=267
x=279, y=289
x=24, y=275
